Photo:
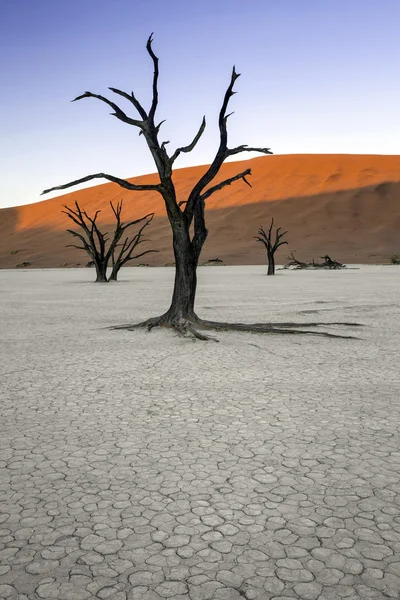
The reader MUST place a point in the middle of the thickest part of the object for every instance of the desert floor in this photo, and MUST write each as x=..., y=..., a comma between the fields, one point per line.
x=141, y=465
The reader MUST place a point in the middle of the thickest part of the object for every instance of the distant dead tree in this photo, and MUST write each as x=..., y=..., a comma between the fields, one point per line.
x=102, y=249
x=271, y=245
x=186, y=215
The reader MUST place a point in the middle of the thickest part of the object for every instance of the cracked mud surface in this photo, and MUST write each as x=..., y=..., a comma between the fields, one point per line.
x=138, y=466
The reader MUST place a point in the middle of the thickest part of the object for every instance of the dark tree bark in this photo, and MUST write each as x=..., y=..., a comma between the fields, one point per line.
x=271, y=264
x=271, y=245
x=95, y=242
x=184, y=216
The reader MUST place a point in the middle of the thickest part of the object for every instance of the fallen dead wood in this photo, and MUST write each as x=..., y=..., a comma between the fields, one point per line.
x=328, y=263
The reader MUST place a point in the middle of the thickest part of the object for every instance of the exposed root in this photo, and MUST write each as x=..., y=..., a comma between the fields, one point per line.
x=275, y=328
x=266, y=327
x=186, y=328
x=183, y=327
x=148, y=324
x=190, y=327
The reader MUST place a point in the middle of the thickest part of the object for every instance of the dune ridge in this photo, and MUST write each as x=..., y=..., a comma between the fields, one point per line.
x=345, y=205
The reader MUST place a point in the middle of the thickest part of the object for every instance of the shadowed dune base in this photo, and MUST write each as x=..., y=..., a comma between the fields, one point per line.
x=347, y=206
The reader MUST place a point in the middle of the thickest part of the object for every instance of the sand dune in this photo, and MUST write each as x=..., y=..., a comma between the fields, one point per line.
x=347, y=206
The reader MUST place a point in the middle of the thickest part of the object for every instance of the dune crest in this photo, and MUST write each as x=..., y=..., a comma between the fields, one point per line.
x=345, y=205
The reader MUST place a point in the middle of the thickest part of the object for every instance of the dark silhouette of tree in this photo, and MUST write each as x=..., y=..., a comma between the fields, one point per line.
x=95, y=242
x=187, y=216
x=271, y=245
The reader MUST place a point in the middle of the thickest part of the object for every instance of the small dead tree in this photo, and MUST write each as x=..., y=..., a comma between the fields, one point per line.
x=271, y=245
x=186, y=216
x=95, y=242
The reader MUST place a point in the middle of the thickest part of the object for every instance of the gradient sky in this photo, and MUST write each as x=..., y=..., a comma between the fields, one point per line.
x=318, y=76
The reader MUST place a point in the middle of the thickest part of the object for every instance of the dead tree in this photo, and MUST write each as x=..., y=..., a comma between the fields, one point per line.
x=123, y=253
x=186, y=216
x=293, y=262
x=271, y=245
x=328, y=263
x=95, y=242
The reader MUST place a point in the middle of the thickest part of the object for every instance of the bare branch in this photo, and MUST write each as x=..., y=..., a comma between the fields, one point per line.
x=74, y=219
x=122, y=182
x=270, y=230
x=261, y=239
x=128, y=246
x=77, y=216
x=278, y=237
x=222, y=153
x=76, y=234
x=226, y=182
x=276, y=246
x=91, y=219
x=155, y=78
x=143, y=253
x=191, y=146
x=85, y=247
x=159, y=125
x=75, y=246
x=117, y=210
x=124, y=226
x=117, y=111
x=245, y=148
x=131, y=97
x=223, y=117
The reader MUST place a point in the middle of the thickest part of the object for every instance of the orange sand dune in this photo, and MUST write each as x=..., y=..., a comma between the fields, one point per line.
x=347, y=206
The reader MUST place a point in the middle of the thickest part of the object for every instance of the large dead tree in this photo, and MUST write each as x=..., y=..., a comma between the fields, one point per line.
x=186, y=216
x=271, y=245
x=102, y=249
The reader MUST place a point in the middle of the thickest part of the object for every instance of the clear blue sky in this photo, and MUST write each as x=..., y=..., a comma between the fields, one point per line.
x=318, y=76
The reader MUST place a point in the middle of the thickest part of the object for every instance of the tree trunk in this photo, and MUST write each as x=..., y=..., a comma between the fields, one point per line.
x=114, y=274
x=183, y=297
x=101, y=272
x=271, y=264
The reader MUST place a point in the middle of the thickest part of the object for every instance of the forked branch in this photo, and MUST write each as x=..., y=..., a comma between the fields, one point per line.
x=267, y=238
x=131, y=97
x=125, y=253
x=118, y=112
x=222, y=154
x=226, y=182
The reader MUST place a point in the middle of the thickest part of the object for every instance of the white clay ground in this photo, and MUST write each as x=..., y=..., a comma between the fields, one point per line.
x=142, y=466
